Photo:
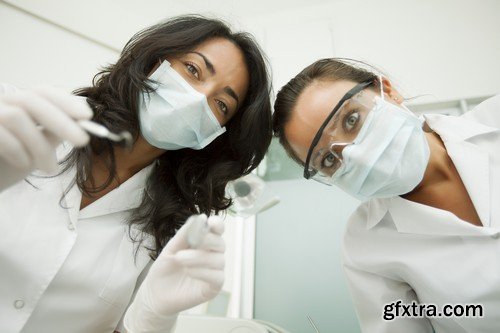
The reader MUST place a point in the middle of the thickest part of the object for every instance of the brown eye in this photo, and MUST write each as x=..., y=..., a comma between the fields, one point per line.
x=193, y=70
x=222, y=106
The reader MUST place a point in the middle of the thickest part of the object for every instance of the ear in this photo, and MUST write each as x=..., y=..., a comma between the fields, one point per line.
x=390, y=92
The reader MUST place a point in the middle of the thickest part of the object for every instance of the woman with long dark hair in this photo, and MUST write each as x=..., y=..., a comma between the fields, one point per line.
x=76, y=246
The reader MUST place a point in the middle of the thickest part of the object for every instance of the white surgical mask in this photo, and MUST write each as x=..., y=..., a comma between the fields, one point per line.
x=175, y=115
x=388, y=157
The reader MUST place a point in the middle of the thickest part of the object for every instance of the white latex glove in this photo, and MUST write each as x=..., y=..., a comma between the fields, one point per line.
x=179, y=279
x=25, y=147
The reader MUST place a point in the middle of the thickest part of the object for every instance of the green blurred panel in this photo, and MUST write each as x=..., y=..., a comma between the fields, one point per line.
x=279, y=165
x=297, y=269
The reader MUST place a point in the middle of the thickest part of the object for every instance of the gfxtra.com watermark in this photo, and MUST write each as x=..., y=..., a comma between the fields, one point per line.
x=398, y=309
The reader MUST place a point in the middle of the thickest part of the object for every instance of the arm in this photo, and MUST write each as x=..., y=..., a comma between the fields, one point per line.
x=370, y=292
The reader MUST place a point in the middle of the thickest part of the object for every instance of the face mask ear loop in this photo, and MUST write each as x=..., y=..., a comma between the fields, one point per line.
x=381, y=87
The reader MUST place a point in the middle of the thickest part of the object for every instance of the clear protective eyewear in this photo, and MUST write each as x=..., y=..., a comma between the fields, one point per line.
x=338, y=131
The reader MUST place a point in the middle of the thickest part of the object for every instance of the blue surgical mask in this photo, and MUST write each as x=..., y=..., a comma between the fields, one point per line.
x=175, y=115
x=388, y=157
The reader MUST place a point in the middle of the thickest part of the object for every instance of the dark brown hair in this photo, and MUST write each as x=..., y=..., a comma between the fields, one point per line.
x=330, y=69
x=182, y=182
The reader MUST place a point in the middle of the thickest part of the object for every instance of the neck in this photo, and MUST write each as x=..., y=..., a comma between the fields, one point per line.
x=128, y=162
x=438, y=169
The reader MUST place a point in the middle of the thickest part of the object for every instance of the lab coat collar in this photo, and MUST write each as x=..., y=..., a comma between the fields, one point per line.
x=126, y=196
x=473, y=166
x=415, y=218
x=377, y=208
x=452, y=128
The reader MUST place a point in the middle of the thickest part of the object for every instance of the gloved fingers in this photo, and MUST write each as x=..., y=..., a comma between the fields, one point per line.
x=214, y=277
x=193, y=258
x=51, y=117
x=53, y=139
x=75, y=107
x=179, y=241
x=20, y=125
x=12, y=150
x=216, y=224
x=212, y=242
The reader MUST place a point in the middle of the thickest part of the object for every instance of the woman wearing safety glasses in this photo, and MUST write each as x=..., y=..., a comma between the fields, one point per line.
x=428, y=229
x=103, y=242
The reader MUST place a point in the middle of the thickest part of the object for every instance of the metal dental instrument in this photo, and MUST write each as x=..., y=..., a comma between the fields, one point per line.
x=124, y=137
x=100, y=131
x=312, y=323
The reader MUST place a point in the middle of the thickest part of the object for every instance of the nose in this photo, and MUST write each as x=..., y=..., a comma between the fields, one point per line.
x=338, y=148
x=206, y=88
x=209, y=90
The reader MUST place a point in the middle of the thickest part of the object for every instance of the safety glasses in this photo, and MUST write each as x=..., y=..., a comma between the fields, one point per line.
x=339, y=130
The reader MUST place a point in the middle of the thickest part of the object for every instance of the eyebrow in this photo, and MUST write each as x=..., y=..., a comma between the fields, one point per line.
x=318, y=156
x=208, y=63
x=228, y=90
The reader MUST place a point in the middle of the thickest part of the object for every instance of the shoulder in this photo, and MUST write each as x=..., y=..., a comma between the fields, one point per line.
x=486, y=113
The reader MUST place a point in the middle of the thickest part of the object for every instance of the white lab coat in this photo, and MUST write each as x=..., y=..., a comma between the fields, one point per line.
x=398, y=249
x=65, y=269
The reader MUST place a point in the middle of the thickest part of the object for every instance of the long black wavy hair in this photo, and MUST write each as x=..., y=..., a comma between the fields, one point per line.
x=182, y=182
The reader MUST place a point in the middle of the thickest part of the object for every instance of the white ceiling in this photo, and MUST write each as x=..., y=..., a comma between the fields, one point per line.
x=113, y=22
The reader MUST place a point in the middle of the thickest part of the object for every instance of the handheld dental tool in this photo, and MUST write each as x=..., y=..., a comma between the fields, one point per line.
x=100, y=131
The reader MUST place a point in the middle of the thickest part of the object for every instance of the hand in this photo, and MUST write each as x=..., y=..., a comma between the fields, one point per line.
x=180, y=278
x=24, y=146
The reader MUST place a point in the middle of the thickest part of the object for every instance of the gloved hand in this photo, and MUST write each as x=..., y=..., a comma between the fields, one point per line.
x=179, y=279
x=24, y=146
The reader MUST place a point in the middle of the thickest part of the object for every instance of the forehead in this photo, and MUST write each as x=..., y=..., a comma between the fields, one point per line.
x=313, y=105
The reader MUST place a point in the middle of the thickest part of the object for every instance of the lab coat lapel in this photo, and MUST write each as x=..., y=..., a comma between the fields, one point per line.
x=72, y=195
x=415, y=218
x=473, y=165
x=377, y=208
